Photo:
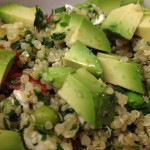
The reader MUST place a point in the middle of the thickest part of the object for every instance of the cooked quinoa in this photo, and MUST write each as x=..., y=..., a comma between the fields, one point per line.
x=130, y=128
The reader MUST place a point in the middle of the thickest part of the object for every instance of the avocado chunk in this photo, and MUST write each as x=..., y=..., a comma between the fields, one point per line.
x=143, y=29
x=2, y=31
x=123, y=21
x=80, y=56
x=12, y=12
x=44, y=114
x=83, y=4
x=10, y=140
x=126, y=2
x=106, y=5
x=56, y=75
x=83, y=30
x=89, y=100
x=125, y=74
x=97, y=86
x=6, y=60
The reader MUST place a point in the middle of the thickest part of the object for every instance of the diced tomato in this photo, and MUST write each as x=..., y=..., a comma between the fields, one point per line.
x=2, y=46
x=48, y=20
x=38, y=83
x=14, y=82
x=17, y=60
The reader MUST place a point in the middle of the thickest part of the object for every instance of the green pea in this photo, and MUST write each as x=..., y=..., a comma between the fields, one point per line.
x=135, y=100
x=46, y=113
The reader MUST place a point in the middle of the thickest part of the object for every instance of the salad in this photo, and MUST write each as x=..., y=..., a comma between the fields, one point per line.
x=77, y=79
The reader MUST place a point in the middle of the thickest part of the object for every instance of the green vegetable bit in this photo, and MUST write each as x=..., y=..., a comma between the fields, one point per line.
x=135, y=100
x=58, y=36
x=60, y=10
x=45, y=114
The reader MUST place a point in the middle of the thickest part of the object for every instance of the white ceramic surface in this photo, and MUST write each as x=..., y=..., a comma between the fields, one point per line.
x=47, y=5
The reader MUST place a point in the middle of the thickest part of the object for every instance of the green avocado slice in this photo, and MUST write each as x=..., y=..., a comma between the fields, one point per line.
x=12, y=12
x=10, y=140
x=6, y=60
x=79, y=97
x=106, y=5
x=56, y=75
x=124, y=74
x=83, y=30
x=86, y=95
x=123, y=21
x=80, y=56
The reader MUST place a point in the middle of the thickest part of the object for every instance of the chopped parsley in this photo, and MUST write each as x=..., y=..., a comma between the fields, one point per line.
x=16, y=45
x=42, y=98
x=47, y=43
x=58, y=36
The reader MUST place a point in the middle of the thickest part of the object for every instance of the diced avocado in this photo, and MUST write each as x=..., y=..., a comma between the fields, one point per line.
x=84, y=4
x=6, y=60
x=2, y=31
x=143, y=29
x=113, y=56
x=79, y=97
x=57, y=75
x=88, y=99
x=11, y=13
x=97, y=86
x=105, y=109
x=83, y=30
x=124, y=74
x=106, y=5
x=126, y=2
x=10, y=140
x=44, y=114
x=123, y=21
x=80, y=56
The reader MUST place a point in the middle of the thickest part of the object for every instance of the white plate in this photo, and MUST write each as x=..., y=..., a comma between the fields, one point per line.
x=47, y=5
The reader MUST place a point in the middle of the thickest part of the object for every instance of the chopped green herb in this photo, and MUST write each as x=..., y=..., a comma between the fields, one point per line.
x=60, y=10
x=46, y=26
x=43, y=131
x=42, y=98
x=74, y=127
x=27, y=32
x=29, y=42
x=148, y=43
x=58, y=36
x=59, y=147
x=40, y=74
x=145, y=108
x=47, y=43
x=63, y=24
x=40, y=18
x=16, y=45
x=93, y=11
x=21, y=51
